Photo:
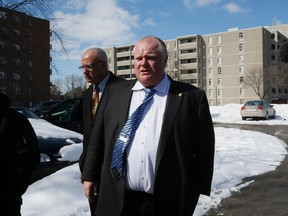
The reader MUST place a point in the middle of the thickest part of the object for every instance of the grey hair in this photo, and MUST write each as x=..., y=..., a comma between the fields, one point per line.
x=162, y=46
x=100, y=52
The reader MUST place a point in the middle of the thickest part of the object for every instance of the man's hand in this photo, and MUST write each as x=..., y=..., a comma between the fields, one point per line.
x=90, y=190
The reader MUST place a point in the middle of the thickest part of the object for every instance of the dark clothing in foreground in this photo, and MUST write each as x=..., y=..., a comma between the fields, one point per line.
x=19, y=155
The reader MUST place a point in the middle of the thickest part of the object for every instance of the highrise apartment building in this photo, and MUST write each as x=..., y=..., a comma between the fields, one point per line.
x=220, y=63
x=24, y=58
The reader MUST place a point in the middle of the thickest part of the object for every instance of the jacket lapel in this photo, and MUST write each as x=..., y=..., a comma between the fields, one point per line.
x=174, y=100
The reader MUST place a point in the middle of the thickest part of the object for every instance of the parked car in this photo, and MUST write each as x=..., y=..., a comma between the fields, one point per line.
x=257, y=109
x=67, y=114
x=44, y=107
x=51, y=138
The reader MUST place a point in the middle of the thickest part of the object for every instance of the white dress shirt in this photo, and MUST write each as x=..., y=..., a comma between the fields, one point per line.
x=141, y=153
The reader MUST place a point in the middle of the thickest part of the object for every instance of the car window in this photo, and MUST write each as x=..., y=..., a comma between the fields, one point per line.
x=63, y=112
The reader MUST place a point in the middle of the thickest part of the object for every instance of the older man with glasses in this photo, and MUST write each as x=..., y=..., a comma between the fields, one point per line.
x=96, y=72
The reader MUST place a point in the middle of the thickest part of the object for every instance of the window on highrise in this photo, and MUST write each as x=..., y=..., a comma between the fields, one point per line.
x=210, y=40
x=240, y=47
x=219, y=81
x=241, y=69
x=17, y=88
x=3, y=75
x=240, y=35
x=219, y=70
x=218, y=50
x=241, y=80
x=219, y=61
x=218, y=39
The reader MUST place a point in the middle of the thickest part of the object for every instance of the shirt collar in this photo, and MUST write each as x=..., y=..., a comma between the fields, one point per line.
x=162, y=87
x=102, y=84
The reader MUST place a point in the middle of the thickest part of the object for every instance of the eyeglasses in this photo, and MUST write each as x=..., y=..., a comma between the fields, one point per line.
x=89, y=66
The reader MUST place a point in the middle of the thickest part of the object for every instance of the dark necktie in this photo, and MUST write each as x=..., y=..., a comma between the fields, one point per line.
x=126, y=135
x=95, y=101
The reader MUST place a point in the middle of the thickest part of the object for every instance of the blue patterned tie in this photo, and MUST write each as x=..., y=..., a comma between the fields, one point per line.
x=126, y=135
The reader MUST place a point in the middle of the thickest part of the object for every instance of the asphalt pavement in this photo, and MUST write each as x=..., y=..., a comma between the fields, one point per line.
x=268, y=194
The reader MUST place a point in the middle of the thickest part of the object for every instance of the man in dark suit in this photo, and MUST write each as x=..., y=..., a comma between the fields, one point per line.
x=95, y=70
x=169, y=161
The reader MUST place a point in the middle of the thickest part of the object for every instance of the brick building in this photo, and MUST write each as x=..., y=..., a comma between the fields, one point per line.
x=24, y=58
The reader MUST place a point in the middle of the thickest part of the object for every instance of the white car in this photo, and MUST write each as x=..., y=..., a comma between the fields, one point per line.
x=257, y=109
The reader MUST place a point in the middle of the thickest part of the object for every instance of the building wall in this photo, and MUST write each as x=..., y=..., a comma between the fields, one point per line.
x=24, y=58
x=220, y=62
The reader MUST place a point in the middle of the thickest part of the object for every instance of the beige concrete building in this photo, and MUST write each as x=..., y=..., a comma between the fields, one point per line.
x=222, y=63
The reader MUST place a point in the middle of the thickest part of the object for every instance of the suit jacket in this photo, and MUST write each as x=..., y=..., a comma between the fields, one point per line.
x=88, y=120
x=185, y=155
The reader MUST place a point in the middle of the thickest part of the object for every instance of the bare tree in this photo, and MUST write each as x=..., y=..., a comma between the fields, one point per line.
x=262, y=81
x=172, y=64
x=254, y=78
x=73, y=85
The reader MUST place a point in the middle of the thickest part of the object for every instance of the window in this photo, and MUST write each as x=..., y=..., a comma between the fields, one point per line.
x=241, y=59
x=219, y=39
x=240, y=47
x=218, y=50
x=210, y=71
x=3, y=15
x=3, y=90
x=16, y=33
x=3, y=75
x=16, y=18
x=219, y=92
x=240, y=35
x=209, y=40
x=29, y=76
x=210, y=82
x=219, y=61
x=167, y=45
x=273, y=90
x=17, y=88
x=210, y=51
x=241, y=91
x=2, y=44
x=16, y=76
x=29, y=63
x=241, y=69
x=3, y=60
x=219, y=81
x=3, y=30
x=17, y=61
x=210, y=92
x=210, y=62
x=16, y=46
x=241, y=80
x=219, y=70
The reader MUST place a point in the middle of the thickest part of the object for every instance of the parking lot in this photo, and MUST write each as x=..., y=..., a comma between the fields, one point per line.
x=267, y=195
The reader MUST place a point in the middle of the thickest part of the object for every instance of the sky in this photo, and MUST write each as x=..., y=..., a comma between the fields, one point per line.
x=238, y=154
x=107, y=23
